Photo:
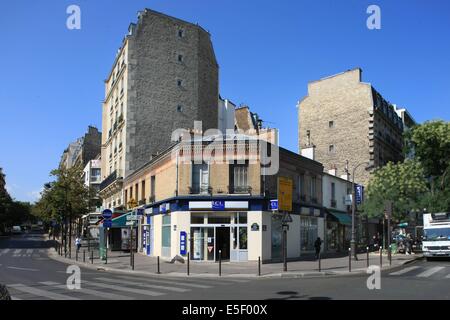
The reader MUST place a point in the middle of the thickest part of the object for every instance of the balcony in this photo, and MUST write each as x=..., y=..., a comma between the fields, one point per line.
x=113, y=177
x=240, y=190
x=333, y=203
x=115, y=126
x=201, y=190
x=152, y=199
x=120, y=119
x=110, y=133
x=142, y=202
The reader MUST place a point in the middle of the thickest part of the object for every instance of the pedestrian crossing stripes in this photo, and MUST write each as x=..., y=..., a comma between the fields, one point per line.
x=24, y=253
x=406, y=270
x=115, y=288
x=430, y=272
x=423, y=272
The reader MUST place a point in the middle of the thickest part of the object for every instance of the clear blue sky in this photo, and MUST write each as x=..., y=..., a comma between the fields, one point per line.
x=51, y=86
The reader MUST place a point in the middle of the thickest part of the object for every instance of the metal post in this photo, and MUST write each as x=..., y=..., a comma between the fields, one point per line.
x=390, y=255
x=92, y=257
x=353, y=241
x=106, y=255
x=381, y=257
x=285, y=269
x=368, y=263
x=158, y=270
x=188, y=261
x=350, y=260
x=132, y=261
x=220, y=263
x=76, y=256
x=320, y=262
x=84, y=256
x=131, y=246
x=259, y=266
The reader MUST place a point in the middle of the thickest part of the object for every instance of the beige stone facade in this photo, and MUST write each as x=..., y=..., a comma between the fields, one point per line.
x=349, y=122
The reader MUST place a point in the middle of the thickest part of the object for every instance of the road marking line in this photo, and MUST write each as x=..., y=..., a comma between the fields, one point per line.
x=447, y=277
x=430, y=272
x=118, y=288
x=91, y=292
x=183, y=284
x=143, y=285
x=23, y=269
x=4, y=251
x=41, y=293
x=30, y=251
x=17, y=253
x=406, y=270
x=15, y=298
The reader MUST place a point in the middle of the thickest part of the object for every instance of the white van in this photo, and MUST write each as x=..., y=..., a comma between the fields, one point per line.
x=16, y=230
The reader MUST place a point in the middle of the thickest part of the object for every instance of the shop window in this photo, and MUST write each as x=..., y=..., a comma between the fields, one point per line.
x=308, y=233
x=166, y=235
x=200, y=178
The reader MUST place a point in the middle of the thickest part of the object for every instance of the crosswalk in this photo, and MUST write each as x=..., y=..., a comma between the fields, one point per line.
x=114, y=288
x=424, y=272
x=24, y=253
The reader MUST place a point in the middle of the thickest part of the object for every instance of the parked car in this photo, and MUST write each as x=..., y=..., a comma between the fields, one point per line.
x=16, y=230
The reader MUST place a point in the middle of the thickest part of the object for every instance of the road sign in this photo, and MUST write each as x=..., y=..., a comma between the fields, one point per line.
x=287, y=218
x=274, y=205
x=107, y=214
x=131, y=223
x=285, y=187
x=348, y=200
x=183, y=243
x=133, y=218
x=140, y=211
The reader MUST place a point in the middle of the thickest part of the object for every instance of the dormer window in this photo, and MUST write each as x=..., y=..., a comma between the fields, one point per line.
x=180, y=33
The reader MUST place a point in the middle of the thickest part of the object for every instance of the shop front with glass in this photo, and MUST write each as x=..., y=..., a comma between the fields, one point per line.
x=215, y=235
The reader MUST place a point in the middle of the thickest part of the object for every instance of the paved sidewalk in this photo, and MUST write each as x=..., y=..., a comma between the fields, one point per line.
x=308, y=267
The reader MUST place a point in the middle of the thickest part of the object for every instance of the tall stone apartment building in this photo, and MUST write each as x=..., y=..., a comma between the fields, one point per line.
x=83, y=150
x=349, y=123
x=164, y=77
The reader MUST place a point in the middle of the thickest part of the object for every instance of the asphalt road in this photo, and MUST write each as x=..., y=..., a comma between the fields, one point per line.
x=30, y=275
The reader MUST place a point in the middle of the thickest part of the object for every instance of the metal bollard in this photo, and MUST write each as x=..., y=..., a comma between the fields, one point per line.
x=188, y=266
x=390, y=255
x=220, y=263
x=259, y=266
x=349, y=260
x=106, y=256
x=84, y=256
x=132, y=261
x=76, y=256
x=320, y=262
x=92, y=257
x=381, y=257
x=158, y=270
x=368, y=262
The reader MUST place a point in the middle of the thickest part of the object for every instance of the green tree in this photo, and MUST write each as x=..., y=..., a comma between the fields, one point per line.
x=404, y=184
x=64, y=200
x=5, y=202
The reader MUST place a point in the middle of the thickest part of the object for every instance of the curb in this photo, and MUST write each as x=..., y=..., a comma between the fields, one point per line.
x=293, y=275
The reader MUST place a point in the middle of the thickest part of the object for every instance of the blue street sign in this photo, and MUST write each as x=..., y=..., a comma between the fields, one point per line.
x=107, y=214
x=107, y=224
x=183, y=243
x=359, y=191
x=218, y=205
x=273, y=205
x=140, y=212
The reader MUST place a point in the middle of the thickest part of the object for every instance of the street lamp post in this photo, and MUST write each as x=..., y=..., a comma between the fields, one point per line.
x=353, y=240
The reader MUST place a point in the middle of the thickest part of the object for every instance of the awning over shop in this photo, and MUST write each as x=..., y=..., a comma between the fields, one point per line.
x=343, y=218
x=121, y=221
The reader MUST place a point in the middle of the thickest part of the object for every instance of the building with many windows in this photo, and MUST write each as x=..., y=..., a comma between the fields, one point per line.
x=349, y=122
x=164, y=77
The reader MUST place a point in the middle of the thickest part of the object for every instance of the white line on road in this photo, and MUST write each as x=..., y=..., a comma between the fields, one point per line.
x=182, y=284
x=406, y=270
x=143, y=285
x=101, y=294
x=23, y=269
x=118, y=288
x=430, y=272
x=41, y=293
x=18, y=251
x=4, y=251
x=30, y=251
x=15, y=298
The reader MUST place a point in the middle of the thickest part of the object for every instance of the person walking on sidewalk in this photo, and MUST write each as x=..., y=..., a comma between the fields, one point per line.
x=78, y=243
x=318, y=247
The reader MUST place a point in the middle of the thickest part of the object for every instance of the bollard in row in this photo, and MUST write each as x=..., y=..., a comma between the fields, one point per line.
x=381, y=257
x=368, y=262
x=349, y=260
x=84, y=256
x=390, y=255
x=157, y=263
x=259, y=266
x=76, y=256
x=106, y=256
x=220, y=263
x=92, y=257
x=132, y=261
x=320, y=263
x=188, y=264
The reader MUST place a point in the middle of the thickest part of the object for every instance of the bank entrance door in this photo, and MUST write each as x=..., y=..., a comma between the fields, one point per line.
x=223, y=243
